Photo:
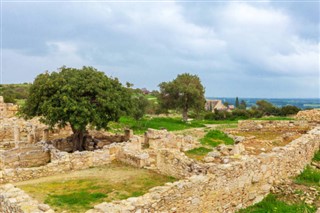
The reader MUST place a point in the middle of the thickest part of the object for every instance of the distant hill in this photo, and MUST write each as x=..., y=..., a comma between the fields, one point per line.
x=14, y=93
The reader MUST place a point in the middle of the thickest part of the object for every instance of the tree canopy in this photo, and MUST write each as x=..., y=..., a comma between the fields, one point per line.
x=183, y=93
x=78, y=97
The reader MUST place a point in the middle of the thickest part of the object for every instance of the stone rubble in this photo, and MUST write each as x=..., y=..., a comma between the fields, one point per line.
x=15, y=200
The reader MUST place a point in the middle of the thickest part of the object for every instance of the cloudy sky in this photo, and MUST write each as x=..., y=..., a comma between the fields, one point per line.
x=237, y=48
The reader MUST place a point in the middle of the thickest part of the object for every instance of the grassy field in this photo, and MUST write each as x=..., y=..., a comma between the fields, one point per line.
x=171, y=124
x=81, y=190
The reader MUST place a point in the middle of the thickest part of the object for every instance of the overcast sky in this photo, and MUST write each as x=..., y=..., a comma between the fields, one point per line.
x=246, y=49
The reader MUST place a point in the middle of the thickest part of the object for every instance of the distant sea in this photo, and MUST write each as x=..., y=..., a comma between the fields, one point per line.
x=303, y=103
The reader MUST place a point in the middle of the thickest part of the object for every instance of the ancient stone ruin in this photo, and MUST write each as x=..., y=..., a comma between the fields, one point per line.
x=228, y=179
x=7, y=110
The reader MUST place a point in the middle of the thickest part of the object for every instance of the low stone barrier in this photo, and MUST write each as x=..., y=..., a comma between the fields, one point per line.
x=159, y=139
x=15, y=200
x=226, y=187
x=61, y=162
x=312, y=115
x=176, y=164
x=260, y=124
x=27, y=156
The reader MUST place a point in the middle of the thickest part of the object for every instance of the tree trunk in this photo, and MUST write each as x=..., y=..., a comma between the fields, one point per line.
x=185, y=114
x=78, y=139
x=185, y=109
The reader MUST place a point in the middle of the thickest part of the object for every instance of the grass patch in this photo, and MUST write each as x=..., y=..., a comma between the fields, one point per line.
x=171, y=124
x=309, y=176
x=271, y=204
x=75, y=200
x=140, y=126
x=215, y=137
x=198, y=153
x=81, y=190
x=316, y=156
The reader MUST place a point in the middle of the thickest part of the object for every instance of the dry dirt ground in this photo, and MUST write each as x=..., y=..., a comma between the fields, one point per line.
x=256, y=141
x=264, y=140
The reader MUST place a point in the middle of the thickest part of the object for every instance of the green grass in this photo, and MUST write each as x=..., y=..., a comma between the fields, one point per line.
x=151, y=97
x=316, y=156
x=271, y=204
x=215, y=137
x=84, y=189
x=171, y=124
x=198, y=153
x=75, y=200
x=309, y=176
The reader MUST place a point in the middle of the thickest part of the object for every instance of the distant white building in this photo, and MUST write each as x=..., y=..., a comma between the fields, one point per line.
x=211, y=105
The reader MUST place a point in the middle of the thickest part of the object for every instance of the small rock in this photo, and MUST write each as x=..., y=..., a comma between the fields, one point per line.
x=195, y=201
x=208, y=159
x=226, y=160
x=44, y=207
x=214, y=154
x=313, y=189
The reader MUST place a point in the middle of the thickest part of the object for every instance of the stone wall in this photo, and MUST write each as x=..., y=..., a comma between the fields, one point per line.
x=15, y=200
x=7, y=110
x=177, y=164
x=94, y=140
x=309, y=115
x=226, y=187
x=30, y=131
x=260, y=124
x=27, y=156
x=105, y=138
x=61, y=162
x=158, y=139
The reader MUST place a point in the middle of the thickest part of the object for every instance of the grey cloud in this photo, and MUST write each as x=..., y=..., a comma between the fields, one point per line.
x=146, y=43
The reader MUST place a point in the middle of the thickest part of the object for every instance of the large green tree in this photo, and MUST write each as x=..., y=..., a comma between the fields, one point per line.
x=183, y=93
x=139, y=104
x=76, y=97
x=267, y=108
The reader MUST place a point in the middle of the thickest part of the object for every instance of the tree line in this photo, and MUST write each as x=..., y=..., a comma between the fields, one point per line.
x=261, y=109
